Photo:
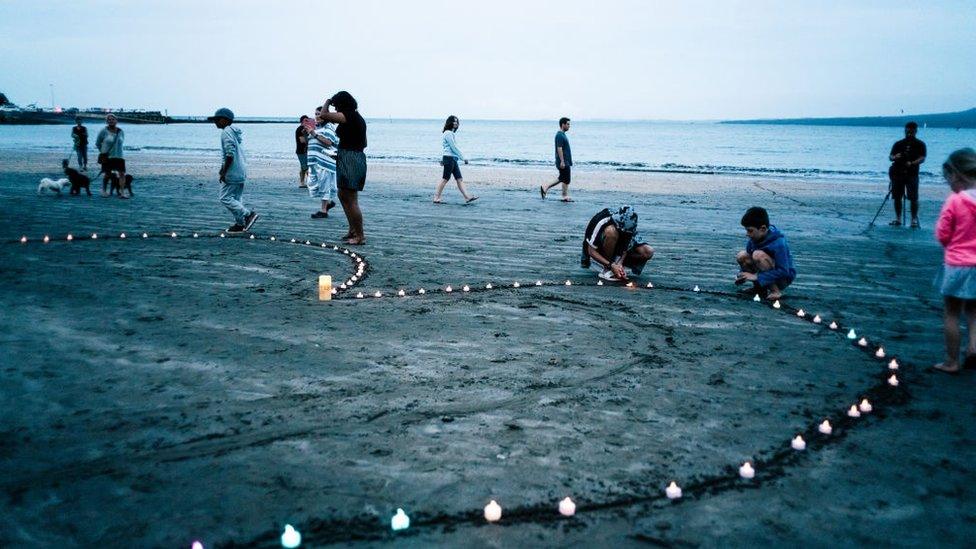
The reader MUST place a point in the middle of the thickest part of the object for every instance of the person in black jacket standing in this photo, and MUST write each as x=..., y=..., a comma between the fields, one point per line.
x=351, y=162
x=906, y=156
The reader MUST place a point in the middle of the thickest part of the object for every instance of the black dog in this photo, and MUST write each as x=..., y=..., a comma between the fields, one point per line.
x=78, y=180
x=114, y=178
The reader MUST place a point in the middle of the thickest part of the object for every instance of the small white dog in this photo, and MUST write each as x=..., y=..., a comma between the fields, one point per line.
x=53, y=185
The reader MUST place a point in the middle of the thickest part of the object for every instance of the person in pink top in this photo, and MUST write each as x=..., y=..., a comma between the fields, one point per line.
x=956, y=231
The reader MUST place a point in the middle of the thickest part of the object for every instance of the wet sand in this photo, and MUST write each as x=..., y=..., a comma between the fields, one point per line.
x=164, y=390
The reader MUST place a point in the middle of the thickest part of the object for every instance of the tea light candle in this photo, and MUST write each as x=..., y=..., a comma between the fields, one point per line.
x=252, y=236
x=893, y=365
x=359, y=295
x=854, y=412
x=863, y=342
x=599, y=283
x=221, y=235
x=893, y=380
x=343, y=285
x=293, y=241
x=421, y=291
x=493, y=511
x=48, y=239
x=23, y=240
x=833, y=326
x=94, y=236
x=488, y=286
x=538, y=283
x=825, y=427
x=801, y=313
x=401, y=293
x=325, y=287
x=798, y=443
x=307, y=242
x=865, y=406
x=449, y=289
x=273, y=239
x=817, y=319
x=516, y=285
x=746, y=471
x=566, y=507
x=880, y=352
x=69, y=238
x=650, y=285
x=851, y=334
x=776, y=304
x=173, y=235
x=466, y=288
x=290, y=538
x=400, y=521
x=696, y=288
x=756, y=298
x=378, y=294
x=630, y=284
x=196, y=545
x=673, y=491
x=569, y=283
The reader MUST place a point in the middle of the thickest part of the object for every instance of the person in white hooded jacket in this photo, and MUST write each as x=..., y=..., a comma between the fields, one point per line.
x=233, y=172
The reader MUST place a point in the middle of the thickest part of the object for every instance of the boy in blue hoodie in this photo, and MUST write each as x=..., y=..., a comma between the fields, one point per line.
x=766, y=261
x=233, y=171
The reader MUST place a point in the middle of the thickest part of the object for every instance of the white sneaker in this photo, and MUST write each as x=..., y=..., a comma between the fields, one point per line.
x=609, y=276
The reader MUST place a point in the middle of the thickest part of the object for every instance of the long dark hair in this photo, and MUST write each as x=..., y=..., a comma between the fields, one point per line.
x=449, y=123
x=344, y=102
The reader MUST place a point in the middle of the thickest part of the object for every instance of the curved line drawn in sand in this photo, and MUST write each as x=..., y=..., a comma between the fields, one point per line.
x=768, y=464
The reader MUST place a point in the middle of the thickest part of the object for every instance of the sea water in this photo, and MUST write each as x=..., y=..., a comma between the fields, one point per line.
x=818, y=152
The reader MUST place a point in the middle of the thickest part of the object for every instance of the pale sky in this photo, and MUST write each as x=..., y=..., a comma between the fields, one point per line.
x=499, y=59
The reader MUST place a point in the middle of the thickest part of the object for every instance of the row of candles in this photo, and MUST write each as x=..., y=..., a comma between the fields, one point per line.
x=326, y=290
x=291, y=537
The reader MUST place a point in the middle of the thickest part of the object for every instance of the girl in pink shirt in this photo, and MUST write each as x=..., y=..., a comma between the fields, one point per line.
x=956, y=231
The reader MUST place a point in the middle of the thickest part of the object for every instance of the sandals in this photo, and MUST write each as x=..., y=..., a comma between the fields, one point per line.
x=542, y=191
x=915, y=223
x=470, y=200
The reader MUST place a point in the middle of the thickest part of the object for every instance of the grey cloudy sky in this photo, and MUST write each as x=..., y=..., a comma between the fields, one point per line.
x=500, y=59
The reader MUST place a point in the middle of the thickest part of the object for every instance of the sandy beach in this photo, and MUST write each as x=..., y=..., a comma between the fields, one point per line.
x=165, y=390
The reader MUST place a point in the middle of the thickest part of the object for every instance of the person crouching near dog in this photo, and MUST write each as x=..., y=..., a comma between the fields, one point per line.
x=612, y=241
x=110, y=143
x=956, y=231
x=766, y=261
x=233, y=171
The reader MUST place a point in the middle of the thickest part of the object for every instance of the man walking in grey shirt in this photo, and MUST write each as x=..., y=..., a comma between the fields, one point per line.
x=233, y=171
x=564, y=162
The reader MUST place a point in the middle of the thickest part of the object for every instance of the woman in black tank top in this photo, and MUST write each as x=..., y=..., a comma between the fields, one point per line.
x=351, y=162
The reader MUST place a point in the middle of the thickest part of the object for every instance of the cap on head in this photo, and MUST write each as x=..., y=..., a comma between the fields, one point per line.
x=223, y=112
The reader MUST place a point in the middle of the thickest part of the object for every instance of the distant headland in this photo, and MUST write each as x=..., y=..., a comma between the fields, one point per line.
x=961, y=119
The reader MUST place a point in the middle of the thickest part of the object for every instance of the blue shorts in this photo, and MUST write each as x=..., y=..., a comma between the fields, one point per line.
x=451, y=168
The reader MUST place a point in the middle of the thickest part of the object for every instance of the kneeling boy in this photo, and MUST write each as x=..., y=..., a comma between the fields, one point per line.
x=611, y=239
x=766, y=261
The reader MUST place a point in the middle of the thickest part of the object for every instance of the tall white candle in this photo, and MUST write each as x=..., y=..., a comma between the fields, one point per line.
x=325, y=287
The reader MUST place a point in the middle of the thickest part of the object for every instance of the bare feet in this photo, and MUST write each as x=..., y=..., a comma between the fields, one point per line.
x=437, y=201
x=356, y=241
x=568, y=199
x=774, y=295
x=948, y=368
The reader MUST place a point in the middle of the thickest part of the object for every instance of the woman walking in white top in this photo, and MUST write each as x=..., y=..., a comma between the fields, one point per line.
x=452, y=155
